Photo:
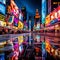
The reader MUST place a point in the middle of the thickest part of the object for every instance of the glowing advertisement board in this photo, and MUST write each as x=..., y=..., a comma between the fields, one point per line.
x=52, y=16
x=47, y=19
x=2, y=23
x=2, y=9
x=2, y=17
x=55, y=14
x=14, y=8
x=21, y=17
x=20, y=25
x=58, y=13
x=16, y=21
x=11, y=18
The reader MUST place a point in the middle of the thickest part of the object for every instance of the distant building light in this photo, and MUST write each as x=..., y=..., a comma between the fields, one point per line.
x=55, y=2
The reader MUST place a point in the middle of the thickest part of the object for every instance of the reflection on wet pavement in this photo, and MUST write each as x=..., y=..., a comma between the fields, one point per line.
x=29, y=46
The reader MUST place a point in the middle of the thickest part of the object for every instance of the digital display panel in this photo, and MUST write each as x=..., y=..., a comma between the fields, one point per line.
x=11, y=19
x=2, y=8
x=16, y=21
x=20, y=17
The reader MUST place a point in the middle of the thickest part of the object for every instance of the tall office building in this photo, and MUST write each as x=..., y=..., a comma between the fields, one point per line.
x=23, y=9
x=29, y=23
x=24, y=13
x=37, y=20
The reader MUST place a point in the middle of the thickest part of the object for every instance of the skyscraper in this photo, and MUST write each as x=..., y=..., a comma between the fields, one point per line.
x=37, y=20
x=23, y=9
x=29, y=22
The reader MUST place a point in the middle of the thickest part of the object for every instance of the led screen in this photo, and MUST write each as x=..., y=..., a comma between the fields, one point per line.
x=20, y=17
x=16, y=22
x=2, y=8
x=11, y=19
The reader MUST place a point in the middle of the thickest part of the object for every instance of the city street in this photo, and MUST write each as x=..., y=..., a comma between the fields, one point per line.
x=31, y=47
x=29, y=29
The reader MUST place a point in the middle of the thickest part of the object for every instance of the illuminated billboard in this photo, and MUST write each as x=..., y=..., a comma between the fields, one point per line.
x=11, y=18
x=2, y=23
x=55, y=14
x=2, y=17
x=20, y=16
x=2, y=9
x=52, y=16
x=16, y=21
x=20, y=25
x=58, y=13
x=14, y=9
x=47, y=19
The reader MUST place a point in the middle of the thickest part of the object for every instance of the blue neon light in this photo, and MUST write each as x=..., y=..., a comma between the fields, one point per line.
x=43, y=11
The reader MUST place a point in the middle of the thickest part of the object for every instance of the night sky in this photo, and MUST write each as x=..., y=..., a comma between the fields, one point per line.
x=31, y=5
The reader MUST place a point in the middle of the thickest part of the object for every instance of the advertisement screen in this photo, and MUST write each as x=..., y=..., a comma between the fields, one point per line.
x=58, y=12
x=16, y=21
x=20, y=17
x=52, y=16
x=20, y=25
x=3, y=1
x=11, y=19
x=2, y=17
x=47, y=19
x=2, y=8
